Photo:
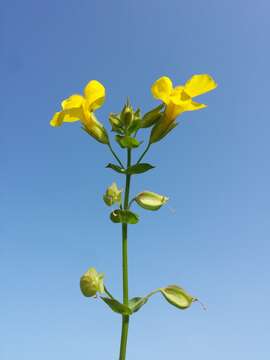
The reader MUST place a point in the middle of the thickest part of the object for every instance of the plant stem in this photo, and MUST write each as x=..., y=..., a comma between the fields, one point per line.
x=144, y=153
x=108, y=293
x=115, y=156
x=125, y=318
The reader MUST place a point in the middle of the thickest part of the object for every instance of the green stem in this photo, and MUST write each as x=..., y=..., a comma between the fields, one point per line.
x=115, y=156
x=144, y=153
x=123, y=348
x=130, y=203
x=125, y=318
x=108, y=293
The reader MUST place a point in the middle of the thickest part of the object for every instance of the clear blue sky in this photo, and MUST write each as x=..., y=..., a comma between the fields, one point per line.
x=214, y=167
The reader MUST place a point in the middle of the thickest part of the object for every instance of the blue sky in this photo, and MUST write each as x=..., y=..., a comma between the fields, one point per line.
x=212, y=238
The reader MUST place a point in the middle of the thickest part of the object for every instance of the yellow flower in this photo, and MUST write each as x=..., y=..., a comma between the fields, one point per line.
x=81, y=108
x=178, y=100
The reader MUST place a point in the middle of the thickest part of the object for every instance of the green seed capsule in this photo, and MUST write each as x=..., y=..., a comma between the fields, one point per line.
x=150, y=200
x=113, y=195
x=91, y=283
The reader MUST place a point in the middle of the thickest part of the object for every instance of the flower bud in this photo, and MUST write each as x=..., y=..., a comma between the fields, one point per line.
x=115, y=122
x=91, y=283
x=112, y=195
x=150, y=200
x=127, y=116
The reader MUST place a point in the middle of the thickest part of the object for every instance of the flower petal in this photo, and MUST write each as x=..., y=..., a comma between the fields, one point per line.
x=172, y=111
x=162, y=89
x=57, y=119
x=179, y=96
x=94, y=94
x=199, y=84
x=192, y=105
x=74, y=101
x=73, y=108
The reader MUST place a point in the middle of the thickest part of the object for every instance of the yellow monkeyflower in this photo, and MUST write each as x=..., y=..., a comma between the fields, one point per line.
x=81, y=108
x=178, y=100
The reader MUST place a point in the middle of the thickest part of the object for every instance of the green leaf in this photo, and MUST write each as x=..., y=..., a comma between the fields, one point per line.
x=139, y=168
x=116, y=168
x=134, y=169
x=127, y=141
x=177, y=296
x=136, y=303
x=124, y=216
x=116, y=306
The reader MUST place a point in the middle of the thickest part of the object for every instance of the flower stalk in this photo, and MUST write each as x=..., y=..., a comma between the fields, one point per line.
x=125, y=318
x=160, y=120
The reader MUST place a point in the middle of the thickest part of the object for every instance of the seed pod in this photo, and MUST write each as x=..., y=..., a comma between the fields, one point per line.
x=150, y=200
x=112, y=195
x=177, y=296
x=91, y=283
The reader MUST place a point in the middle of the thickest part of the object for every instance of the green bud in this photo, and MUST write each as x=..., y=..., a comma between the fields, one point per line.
x=127, y=121
x=127, y=116
x=150, y=200
x=91, y=283
x=115, y=122
x=112, y=195
x=136, y=122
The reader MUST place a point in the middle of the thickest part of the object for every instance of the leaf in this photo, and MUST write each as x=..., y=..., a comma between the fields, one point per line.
x=134, y=169
x=136, y=303
x=177, y=296
x=139, y=168
x=116, y=168
x=124, y=216
x=127, y=141
x=116, y=306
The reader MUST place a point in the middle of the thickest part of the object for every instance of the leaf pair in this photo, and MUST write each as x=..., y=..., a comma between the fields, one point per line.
x=134, y=169
x=127, y=142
